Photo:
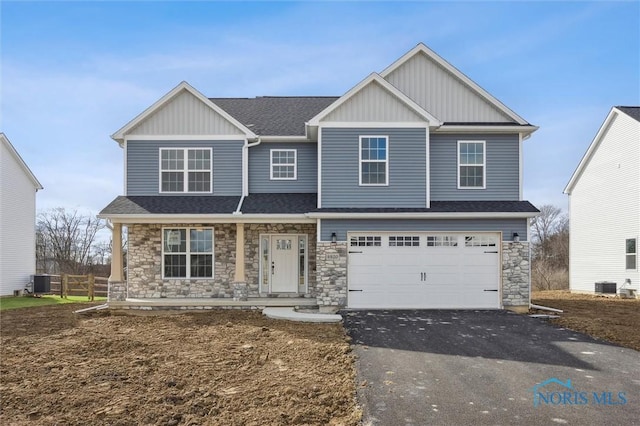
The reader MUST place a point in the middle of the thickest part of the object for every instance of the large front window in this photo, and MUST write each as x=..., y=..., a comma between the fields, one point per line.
x=374, y=160
x=471, y=165
x=187, y=252
x=185, y=170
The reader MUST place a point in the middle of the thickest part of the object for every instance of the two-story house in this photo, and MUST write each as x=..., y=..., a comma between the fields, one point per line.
x=405, y=192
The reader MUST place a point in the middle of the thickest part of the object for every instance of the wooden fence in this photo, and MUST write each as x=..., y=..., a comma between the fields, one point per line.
x=79, y=285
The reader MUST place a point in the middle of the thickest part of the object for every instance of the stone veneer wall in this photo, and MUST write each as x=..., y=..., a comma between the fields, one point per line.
x=252, y=234
x=516, y=273
x=332, y=274
x=144, y=266
x=145, y=261
x=116, y=291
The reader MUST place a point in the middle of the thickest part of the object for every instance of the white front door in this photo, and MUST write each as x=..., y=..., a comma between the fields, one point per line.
x=284, y=263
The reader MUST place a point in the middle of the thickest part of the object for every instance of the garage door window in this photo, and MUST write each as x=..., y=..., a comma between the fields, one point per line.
x=366, y=241
x=403, y=241
x=442, y=241
x=480, y=241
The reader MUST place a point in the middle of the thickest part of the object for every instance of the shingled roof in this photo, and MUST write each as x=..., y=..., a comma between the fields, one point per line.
x=275, y=115
x=631, y=111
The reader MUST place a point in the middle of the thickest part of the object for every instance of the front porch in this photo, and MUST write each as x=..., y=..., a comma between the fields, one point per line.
x=212, y=303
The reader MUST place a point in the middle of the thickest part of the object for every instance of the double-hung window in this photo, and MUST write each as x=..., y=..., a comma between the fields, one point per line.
x=283, y=164
x=471, y=165
x=187, y=253
x=631, y=253
x=374, y=160
x=185, y=170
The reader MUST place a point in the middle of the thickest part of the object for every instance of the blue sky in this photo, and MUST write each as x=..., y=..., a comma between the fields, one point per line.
x=72, y=73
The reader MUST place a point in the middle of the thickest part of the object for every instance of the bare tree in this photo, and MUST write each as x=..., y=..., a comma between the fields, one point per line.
x=550, y=248
x=66, y=239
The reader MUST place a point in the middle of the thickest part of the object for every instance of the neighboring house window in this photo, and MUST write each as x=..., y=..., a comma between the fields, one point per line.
x=631, y=251
x=374, y=160
x=471, y=165
x=185, y=170
x=283, y=164
x=187, y=253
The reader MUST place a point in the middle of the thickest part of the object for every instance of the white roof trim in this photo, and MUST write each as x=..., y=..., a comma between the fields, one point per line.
x=207, y=218
x=472, y=128
x=375, y=77
x=5, y=140
x=418, y=215
x=421, y=48
x=120, y=134
x=591, y=150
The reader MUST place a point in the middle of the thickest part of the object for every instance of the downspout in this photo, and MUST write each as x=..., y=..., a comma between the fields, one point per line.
x=245, y=172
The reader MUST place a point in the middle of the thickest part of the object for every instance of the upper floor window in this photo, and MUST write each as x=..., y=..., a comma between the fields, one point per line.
x=374, y=160
x=283, y=164
x=185, y=170
x=471, y=165
x=631, y=253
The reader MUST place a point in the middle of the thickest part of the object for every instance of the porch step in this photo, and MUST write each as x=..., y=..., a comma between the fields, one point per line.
x=292, y=315
x=209, y=303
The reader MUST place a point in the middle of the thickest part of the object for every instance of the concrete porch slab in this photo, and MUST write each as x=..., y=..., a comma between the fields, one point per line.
x=209, y=303
x=292, y=315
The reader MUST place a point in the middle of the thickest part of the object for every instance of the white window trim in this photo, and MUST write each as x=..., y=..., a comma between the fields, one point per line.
x=626, y=255
x=484, y=165
x=295, y=164
x=185, y=171
x=360, y=161
x=188, y=252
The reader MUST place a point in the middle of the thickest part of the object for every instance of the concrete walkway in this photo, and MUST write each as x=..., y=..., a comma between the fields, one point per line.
x=292, y=315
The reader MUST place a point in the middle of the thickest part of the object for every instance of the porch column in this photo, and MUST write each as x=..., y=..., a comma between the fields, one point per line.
x=240, y=291
x=116, y=253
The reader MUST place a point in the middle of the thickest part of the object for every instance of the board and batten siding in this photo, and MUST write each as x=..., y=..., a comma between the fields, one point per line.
x=306, y=163
x=443, y=94
x=17, y=224
x=502, y=168
x=342, y=226
x=185, y=115
x=406, y=168
x=373, y=103
x=604, y=208
x=143, y=171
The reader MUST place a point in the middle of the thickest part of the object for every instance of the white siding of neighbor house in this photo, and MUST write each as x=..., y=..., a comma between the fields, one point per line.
x=604, y=208
x=373, y=103
x=185, y=115
x=17, y=223
x=441, y=93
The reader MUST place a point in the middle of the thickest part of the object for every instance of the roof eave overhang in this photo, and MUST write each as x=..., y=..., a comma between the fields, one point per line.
x=206, y=218
x=462, y=128
x=419, y=215
x=590, y=151
x=119, y=135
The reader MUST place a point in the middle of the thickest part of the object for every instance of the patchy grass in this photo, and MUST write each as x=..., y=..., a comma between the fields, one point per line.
x=18, y=302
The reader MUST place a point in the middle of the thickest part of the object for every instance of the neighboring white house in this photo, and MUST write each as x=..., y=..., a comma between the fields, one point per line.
x=18, y=187
x=604, y=206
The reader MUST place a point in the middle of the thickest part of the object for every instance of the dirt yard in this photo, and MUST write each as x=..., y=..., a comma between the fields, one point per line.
x=212, y=368
x=608, y=318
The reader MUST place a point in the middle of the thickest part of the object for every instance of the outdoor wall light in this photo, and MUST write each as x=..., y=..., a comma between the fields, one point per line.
x=334, y=238
x=516, y=237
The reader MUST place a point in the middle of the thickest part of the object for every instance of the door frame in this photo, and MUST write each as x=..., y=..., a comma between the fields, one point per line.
x=261, y=264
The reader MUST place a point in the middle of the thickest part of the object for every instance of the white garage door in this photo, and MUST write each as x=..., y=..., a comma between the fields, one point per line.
x=422, y=270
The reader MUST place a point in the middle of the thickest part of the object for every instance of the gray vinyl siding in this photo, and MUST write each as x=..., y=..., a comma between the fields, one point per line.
x=143, y=165
x=307, y=168
x=502, y=168
x=406, y=168
x=342, y=226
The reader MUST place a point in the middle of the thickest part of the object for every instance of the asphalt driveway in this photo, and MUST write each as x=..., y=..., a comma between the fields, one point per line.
x=482, y=367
